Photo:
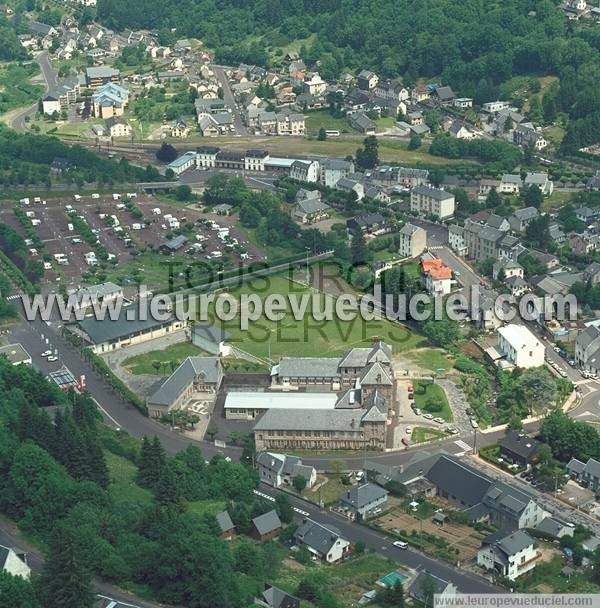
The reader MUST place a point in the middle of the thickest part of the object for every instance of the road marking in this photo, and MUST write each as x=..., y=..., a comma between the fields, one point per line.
x=584, y=414
x=461, y=444
x=106, y=413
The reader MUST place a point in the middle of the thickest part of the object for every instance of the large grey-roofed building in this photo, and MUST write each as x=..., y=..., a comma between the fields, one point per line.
x=201, y=375
x=134, y=324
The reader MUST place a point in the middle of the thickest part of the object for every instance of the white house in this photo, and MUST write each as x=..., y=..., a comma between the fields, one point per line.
x=322, y=542
x=426, y=200
x=492, y=107
x=14, y=563
x=510, y=556
x=279, y=470
x=520, y=346
x=437, y=277
x=305, y=171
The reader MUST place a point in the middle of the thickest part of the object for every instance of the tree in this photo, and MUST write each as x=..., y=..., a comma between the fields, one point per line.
x=395, y=488
x=515, y=424
x=538, y=388
x=358, y=248
x=299, y=483
x=493, y=199
x=391, y=596
x=166, y=153
x=442, y=332
x=533, y=196
x=429, y=589
x=367, y=157
x=322, y=136
x=151, y=462
x=414, y=142
x=64, y=582
x=284, y=508
x=15, y=591
x=167, y=489
x=183, y=193
x=596, y=565
x=578, y=554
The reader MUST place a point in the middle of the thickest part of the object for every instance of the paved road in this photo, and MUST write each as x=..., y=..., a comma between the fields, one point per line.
x=51, y=78
x=466, y=582
x=240, y=127
x=259, y=181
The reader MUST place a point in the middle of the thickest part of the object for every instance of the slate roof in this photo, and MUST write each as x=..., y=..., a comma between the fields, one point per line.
x=317, y=536
x=126, y=324
x=213, y=333
x=309, y=420
x=308, y=367
x=277, y=598
x=181, y=378
x=528, y=213
x=551, y=526
x=224, y=520
x=359, y=496
x=514, y=543
x=435, y=193
x=310, y=205
x=375, y=374
x=267, y=522
x=576, y=466
x=417, y=588
x=520, y=444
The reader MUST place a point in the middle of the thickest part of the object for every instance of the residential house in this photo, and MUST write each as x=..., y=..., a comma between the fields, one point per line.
x=444, y=95
x=556, y=234
x=493, y=107
x=350, y=185
x=367, y=80
x=266, y=526
x=325, y=543
x=420, y=93
x=520, y=346
x=273, y=597
x=541, y=180
x=368, y=222
x=415, y=118
x=521, y=218
x=310, y=210
x=211, y=339
x=426, y=585
x=508, y=268
x=412, y=241
x=179, y=128
x=305, y=171
x=555, y=528
x=363, y=500
x=517, y=286
x=459, y=130
x=331, y=170
x=510, y=184
x=226, y=526
x=549, y=260
x=392, y=91
x=592, y=273
x=593, y=183
x=361, y=122
x=429, y=201
x=117, y=127
x=524, y=135
x=519, y=448
x=586, y=473
x=377, y=194
x=313, y=84
x=14, y=563
x=280, y=470
x=586, y=215
x=51, y=104
x=437, y=277
x=498, y=222
x=587, y=349
x=463, y=103
x=509, y=556
x=456, y=240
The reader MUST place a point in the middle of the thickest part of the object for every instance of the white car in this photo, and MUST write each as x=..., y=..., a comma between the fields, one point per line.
x=474, y=423
x=408, y=430
x=52, y=358
x=46, y=353
x=556, y=349
x=439, y=420
x=428, y=416
x=400, y=544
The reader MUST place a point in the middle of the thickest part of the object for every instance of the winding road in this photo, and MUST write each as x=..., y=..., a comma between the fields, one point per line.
x=51, y=79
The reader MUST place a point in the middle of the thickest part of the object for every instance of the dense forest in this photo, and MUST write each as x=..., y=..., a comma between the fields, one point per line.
x=57, y=482
x=472, y=45
x=26, y=158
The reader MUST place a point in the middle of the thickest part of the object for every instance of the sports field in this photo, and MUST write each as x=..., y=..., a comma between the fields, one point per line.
x=308, y=337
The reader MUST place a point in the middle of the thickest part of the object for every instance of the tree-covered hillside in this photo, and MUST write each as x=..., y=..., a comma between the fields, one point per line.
x=470, y=44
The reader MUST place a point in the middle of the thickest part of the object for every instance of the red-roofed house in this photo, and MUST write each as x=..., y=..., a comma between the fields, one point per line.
x=437, y=277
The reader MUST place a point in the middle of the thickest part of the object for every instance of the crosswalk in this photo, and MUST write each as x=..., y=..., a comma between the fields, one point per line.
x=463, y=445
x=13, y=297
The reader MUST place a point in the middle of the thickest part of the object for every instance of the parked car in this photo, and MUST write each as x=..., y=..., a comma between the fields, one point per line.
x=411, y=396
x=408, y=430
x=46, y=353
x=417, y=411
x=474, y=423
x=428, y=416
x=52, y=358
x=410, y=388
x=400, y=544
x=451, y=430
x=439, y=420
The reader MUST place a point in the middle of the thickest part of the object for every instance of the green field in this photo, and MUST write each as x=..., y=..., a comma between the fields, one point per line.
x=433, y=359
x=16, y=90
x=431, y=399
x=122, y=487
x=318, y=119
x=170, y=357
x=308, y=337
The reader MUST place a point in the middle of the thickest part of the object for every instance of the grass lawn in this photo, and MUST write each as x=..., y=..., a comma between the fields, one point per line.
x=307, y=337
x=329, y=492
x=318, y=119
x=142, y=364
x=200, y=507
x=122, y=474
x=346, y=581
x=421, y=434
x=387, y=122
x=15, y=86
x=433, y=359
x=432, y=394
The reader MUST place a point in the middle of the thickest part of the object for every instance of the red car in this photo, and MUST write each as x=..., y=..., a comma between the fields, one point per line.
x=410, y=388
x=405, y=441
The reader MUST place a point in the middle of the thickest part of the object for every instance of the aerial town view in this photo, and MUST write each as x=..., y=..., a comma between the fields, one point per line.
x=299, y=304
